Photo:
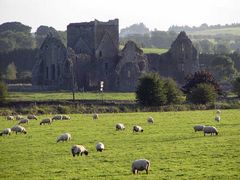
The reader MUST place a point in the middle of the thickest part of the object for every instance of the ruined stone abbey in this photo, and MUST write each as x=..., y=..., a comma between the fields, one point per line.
x=92, y=55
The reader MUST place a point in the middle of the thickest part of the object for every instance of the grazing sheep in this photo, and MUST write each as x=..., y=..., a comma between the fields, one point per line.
x=79, y=149
x=137, y=129
x=218, y=111
x=217, y=118
x=100, y=147
x=6, y=131
x=32, y=117
x=18, y=117
x=57, y=117
x=64, y=137
x=95, y=116
x=46, y=121
x=65, y=117
x=210, y=130
x=10, y=118
x=19, y=129
x=198, y=128
x=140, y=165
x=120, y=127
x=23, y=121
x=150, y=120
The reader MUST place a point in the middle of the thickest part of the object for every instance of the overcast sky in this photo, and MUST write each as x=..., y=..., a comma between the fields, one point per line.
x=158, y=14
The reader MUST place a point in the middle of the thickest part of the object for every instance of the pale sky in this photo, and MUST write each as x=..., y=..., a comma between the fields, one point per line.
x=160, y=14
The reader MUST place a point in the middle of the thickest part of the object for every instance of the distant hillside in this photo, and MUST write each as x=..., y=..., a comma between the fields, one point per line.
x=221, y=31
x=134, y=29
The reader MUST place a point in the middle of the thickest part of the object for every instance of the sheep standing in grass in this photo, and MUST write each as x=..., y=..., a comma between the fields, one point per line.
x=18, y=117
x=100, y=147
x=10, y=118
x=120, y=127
x=140, y=165
x=32, y=117
x=217, y=118
x=19, y=129
x=95, y=116
x=57, y=117
x=64, y=137
x=65, y=117
x=46, y=121
x=210, y=130
x=6, y=131
x=198, y=128
x=79, y=149
x=23, y=121
x=150, y=120
x=218, y=112
x=137, y=129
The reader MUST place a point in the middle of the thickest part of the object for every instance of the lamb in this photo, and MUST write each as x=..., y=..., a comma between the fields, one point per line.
x=65, y=117
x=198, y=128
x=64, y=137
x=100, y=147
x=137, y=129
x=218, y=111
x=10, y=118
x=46, y=121
x=18, y=128
x=150, y=120
x=217, y=118
x=18, y=117
x=120, y=127
x=95, y=116
x=57, y=117
x=6, y=131
x=23, y=121
x=32, y=117
x=140, y=165
x=210, y=130
x=79, y=149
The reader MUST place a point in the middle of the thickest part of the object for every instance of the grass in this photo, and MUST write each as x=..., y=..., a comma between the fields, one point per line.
x=175, y=151
x=44, y=96
x=154, y=50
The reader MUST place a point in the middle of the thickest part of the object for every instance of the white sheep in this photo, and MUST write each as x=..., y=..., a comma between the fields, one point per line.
x=137, y=129
x=150, y=120
x=18, y=128
x=64, y=137
x=65, y=117
x=210, y=130
x=6, y=131
x=120, y=127
x=31, y=116
x=18, y=117
x=23, y=121
x=57, y=117
x=100, y=147
x=218, y=111
x=46, y=121
x=10, y=118
x=198, y=128
x=95, y=116
x=217, y=118
x=79, y=149
x=140, y=165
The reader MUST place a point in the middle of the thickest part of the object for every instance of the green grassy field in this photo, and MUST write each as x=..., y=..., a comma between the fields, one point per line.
x=175, y=151
x=154, y=50
x=44, y=96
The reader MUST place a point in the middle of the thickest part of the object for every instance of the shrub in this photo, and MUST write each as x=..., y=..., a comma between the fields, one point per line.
x=173, y=93
x=236, y=86
x=150, y=90
x=202, y=94
x=3, y=91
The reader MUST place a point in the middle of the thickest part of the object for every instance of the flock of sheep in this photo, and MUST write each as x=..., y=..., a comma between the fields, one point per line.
x=137, y=165
x=209, y=129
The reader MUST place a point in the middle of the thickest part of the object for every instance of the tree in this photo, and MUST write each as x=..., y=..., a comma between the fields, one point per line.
x=202, y=94
x=200, y=77
x=3, y=90
x=11, y=71
x=150, y=90
x=236, y=86
x=173, y=93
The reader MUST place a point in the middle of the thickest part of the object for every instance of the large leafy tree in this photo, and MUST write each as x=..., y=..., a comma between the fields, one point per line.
x=236, y=86
x=11, y=71
x=150, y=90
x=3, y=89
x=173, y=93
